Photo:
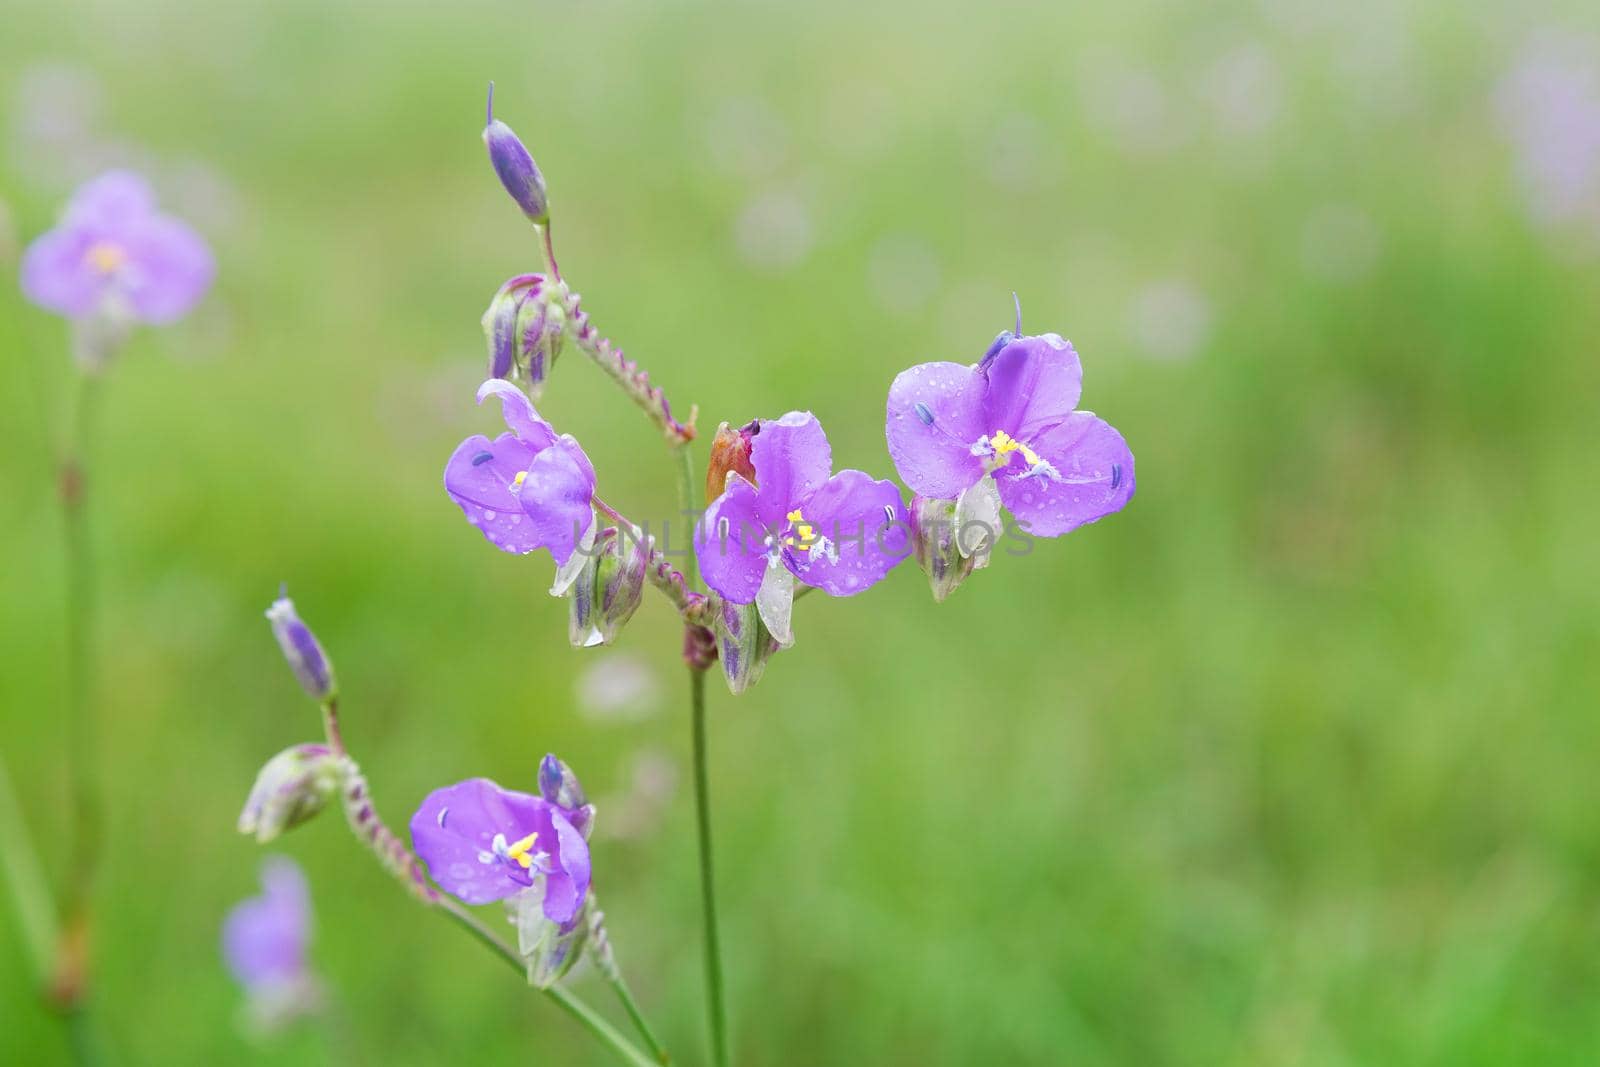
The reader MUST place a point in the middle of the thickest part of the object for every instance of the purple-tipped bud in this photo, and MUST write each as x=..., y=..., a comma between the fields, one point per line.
x=292, y=787
x=559, y=785
x=582, y=618
x=743, y=644
x=516, y=168
x=301, y=650
x=500, y=323
x=619, y=581
x=547, y=948
x=933, y=540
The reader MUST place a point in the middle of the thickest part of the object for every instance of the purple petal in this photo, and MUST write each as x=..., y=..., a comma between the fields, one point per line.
x=557, y=497
x=867, y=531
x=792, y=459
x=1094, y=471
x=730, y=543
x=58, y=276
x=479, y=478
x=264, y=938
x=111, y=203
x=454, y=829
x=568, y=881
x=169, y=268
x=1034, y=383
x=935, y=416
x=519, y=413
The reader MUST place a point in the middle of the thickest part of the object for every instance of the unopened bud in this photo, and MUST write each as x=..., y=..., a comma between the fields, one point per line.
x=730, y=454
x=548, y=950
x=582, y=630
x=301, y=650
x=619, y=581
x=559, y=785
x=500, y=323
x=516, y=168
x=933, y=539
x=292, y=787
x=743, y=644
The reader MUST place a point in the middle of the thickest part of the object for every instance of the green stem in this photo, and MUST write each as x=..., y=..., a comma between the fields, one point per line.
x=590, y=1019
x=625, y=995
x=70, y=978
x=718, y=1017
x=30, y=893
x=702, y=799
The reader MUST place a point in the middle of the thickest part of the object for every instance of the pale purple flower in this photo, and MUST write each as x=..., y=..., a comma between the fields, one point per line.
x=483, y=843
x=840, y=533
x=1549, y=107
x=526, y=489
x=264, y=942
x=1009, y=423
x=113, y=253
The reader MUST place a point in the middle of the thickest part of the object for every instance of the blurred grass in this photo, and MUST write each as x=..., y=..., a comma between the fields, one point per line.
x=1291, y=762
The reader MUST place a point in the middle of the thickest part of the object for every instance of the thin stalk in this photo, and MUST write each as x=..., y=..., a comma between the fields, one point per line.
x=708, y=897
x=717, y=1013
x=70, y=979
x=571, y=1003
x=620, y=986
x=30, y=893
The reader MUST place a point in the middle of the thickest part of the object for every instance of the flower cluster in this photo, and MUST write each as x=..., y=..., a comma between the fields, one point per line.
x=1001, y=434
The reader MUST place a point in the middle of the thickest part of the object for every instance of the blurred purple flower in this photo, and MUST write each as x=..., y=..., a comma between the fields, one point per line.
x=1549, y=108
x=1008, y=423
x=114, y=254
x=526, y=489
x=483, y=843
x=264, y=943
x=841, y=533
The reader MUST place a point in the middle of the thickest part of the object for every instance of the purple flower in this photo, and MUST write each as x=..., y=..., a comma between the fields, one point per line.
x=483, y=843
x=114, y=253
x=526, y=489
x=264, y=938
x=1008, y=423
x=840, y=533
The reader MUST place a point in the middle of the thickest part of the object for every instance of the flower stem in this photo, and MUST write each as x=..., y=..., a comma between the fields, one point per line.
x=620, y=986
x=70, y=979
x=30, y=893
x=702, y=799
x=717, y=1014
x=632, y=378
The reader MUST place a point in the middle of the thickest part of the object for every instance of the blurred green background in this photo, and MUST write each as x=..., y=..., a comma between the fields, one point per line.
x=1293, y=761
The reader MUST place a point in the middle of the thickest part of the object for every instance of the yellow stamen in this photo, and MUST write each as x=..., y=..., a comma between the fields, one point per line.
x=806, y=535
x=105, y=257
x=1004, y=444
x=520, y=850
x=522, y=476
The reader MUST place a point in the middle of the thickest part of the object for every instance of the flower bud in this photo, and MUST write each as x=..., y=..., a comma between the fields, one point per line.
x=292, y=787
x=619, y=581
x=301, y=650
x=516, y=168
x=730, y=453
x=933, y=539
x=582, y=630
x=743, y=644
x=537, y=340
x=548, y=949
x=559, y=785
x=500, y=323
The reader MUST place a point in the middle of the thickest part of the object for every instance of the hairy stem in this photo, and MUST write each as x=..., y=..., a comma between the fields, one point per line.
x=634, y=379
